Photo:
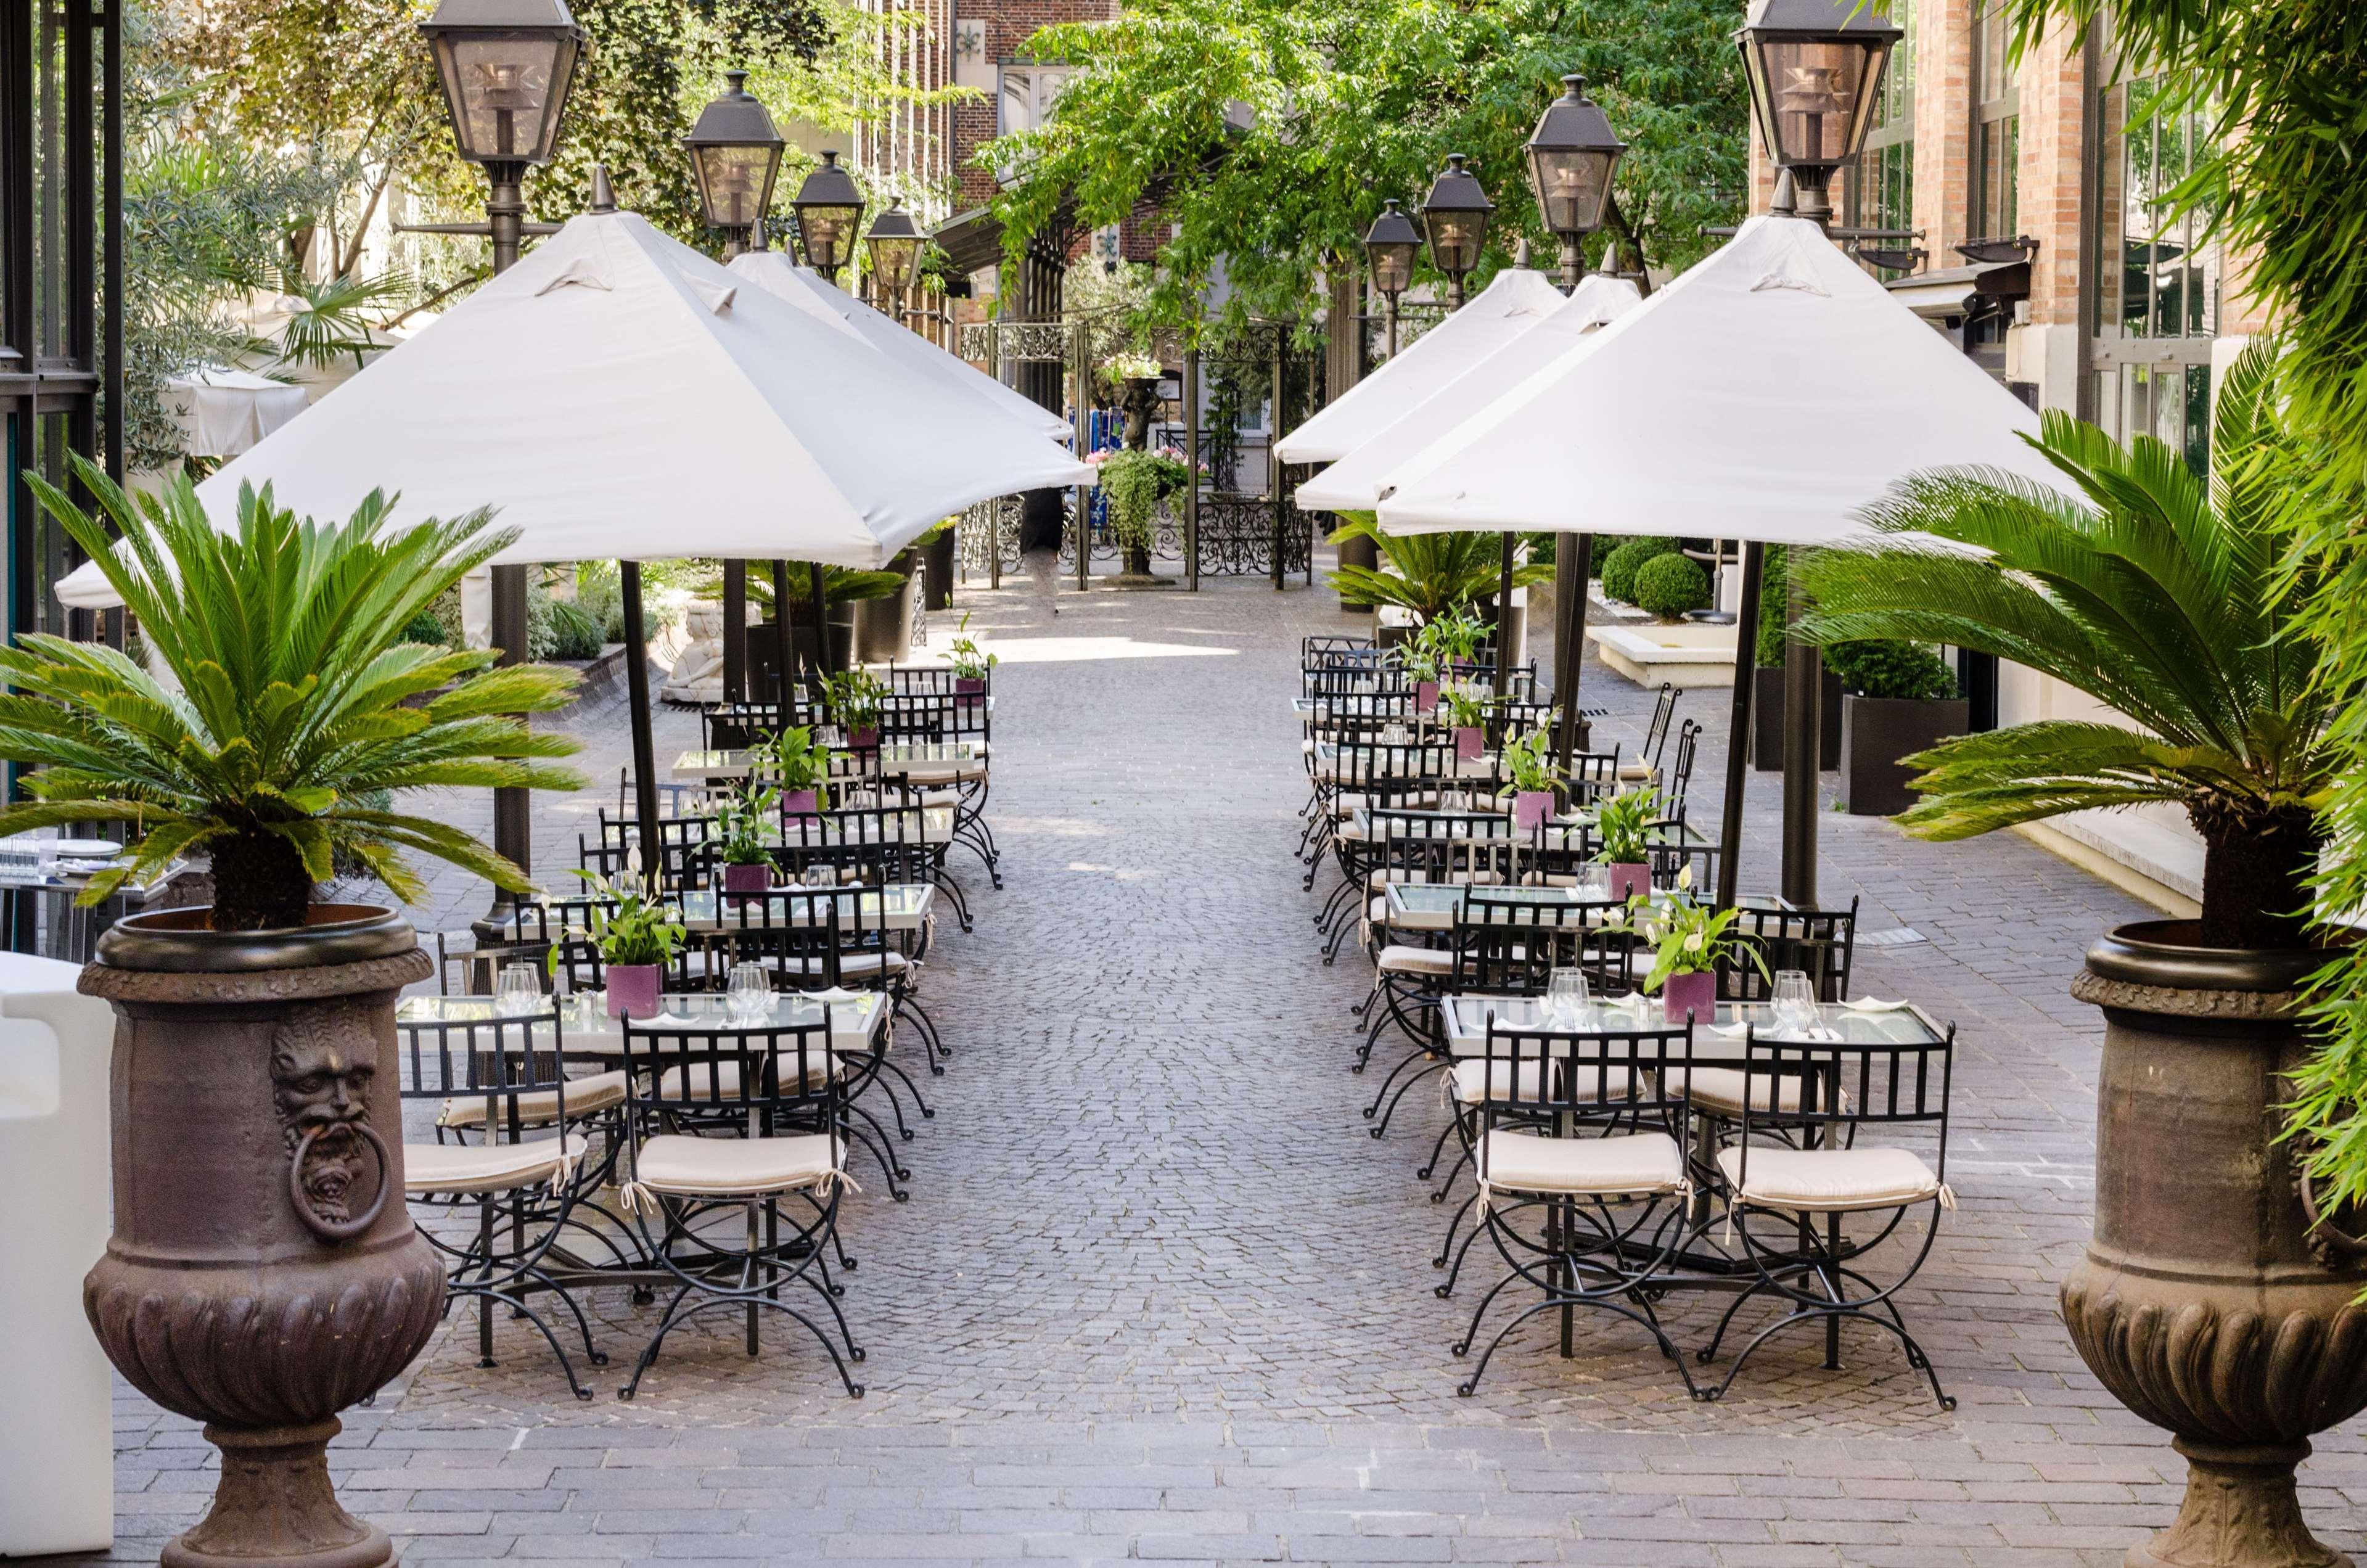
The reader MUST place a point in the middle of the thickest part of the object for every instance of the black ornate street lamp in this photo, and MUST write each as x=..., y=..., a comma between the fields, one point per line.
x=1454, y=221
x=1391, y=245
x=830, y=215
x=894, y=246
x=505, y=66
x=735, y=153
x=1814, y=70
x=1572, y=155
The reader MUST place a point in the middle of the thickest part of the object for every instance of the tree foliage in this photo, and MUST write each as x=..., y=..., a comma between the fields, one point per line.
x=1270, y=130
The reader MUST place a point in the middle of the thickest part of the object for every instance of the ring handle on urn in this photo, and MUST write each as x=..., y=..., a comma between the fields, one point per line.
x=336, y=1231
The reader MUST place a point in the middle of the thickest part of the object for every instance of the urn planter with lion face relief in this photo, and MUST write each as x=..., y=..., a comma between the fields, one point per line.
x=263, y=1274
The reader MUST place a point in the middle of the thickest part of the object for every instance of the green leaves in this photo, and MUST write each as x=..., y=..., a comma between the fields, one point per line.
x=297, y=695
x=1431, y=574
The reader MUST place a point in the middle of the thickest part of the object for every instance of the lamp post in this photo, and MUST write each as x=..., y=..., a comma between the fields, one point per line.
x=829, y=210
x=1814, y=70
x=505, y=66
x=894, y=246
x=1572, y=155
x=735, y=153
x=1454, y=221
x=1391, y=243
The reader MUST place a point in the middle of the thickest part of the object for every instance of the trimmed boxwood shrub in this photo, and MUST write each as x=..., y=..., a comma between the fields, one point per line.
x=1891, y=669
x=1667, y=586
x=1620, y=568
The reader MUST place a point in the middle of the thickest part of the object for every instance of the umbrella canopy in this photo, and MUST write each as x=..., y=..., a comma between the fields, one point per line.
x=616, y=395
x=220, y=413
x=803, y=287
x=1353, y=482
x=1767, y=394
x=1516, y=300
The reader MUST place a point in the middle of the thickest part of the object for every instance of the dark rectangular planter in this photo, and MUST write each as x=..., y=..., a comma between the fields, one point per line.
x=883, y=628
x=1876, y=731
x=939, y=553
x=1767, y=721
x=1359, y=552
x=763, y=678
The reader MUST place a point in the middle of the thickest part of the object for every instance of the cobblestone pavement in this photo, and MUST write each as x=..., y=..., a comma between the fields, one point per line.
x=1158, y=1295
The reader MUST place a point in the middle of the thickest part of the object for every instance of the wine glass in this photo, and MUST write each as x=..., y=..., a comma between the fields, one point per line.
x=1593, y=882
x=749, y=992
x=1795, y=1002
x=516, y=992
x=1566, y=997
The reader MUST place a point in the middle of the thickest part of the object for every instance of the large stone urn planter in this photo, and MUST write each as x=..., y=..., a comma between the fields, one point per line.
x=2206, y=1301
x=263, y=1274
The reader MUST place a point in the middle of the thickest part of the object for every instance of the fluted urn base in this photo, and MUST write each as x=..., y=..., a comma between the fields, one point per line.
x=2239, y=1512
x=274, y=1504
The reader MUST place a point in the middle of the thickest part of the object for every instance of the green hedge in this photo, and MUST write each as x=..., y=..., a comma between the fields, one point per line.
x=1619, y=569
x=1891, y=669
x=1669, y=586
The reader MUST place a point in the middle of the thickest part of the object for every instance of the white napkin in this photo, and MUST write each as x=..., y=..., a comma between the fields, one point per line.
x=1872, y=1004
x=1730, y=1031
x=835, y=994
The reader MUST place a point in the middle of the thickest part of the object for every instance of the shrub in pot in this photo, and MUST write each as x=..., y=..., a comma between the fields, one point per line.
x=1529, y=768
x=1137, y=480
x=1620, y=567
x=972, y=669
x=1690, y=943
x=638, y=940
x=2210, y=1300
x=1623, y=831
x=1899, y=701
x=854, y=699
x=1426, y=575
x=1669, y=586
x=1468, y=716
x=742, y=842
x=264, y=1273
x=800, y=769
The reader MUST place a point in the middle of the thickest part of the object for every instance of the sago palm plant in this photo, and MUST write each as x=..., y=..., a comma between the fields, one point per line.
x=2161, y=598
x=294, y=708
x=1432, y=573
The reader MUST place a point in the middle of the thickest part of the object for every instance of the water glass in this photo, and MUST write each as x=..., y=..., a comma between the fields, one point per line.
x=1566, y=998
x=518, y=992
x=749, y=992
x=1593, y=882
x=1795, y=1002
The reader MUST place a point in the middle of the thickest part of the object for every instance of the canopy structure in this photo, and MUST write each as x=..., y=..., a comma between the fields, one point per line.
x=222, y=413
x=1352, y=482
x=807, y=289
x=1516, y=300
x=616, y=395
x=1766, y=395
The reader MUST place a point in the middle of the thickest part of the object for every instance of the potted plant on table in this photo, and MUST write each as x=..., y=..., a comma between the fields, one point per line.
x=1622, y=827
x=800, y=769
x=2212, y=1299
x=854, y=699
x=1689, y=942
x=1468, y=716
x=971, y=667
x=1528, y=764
x=742, y=842
x=1901, y=701
x=637, y=940
x=264, y=1273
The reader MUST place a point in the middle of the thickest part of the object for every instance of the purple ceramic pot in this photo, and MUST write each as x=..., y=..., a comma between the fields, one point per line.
x=1694, y=994
x=1530, y=808
x=966, y=686
x=633, y=988
x=800, y=803
x=747, y=878
x=1630, y=878
x=1425, y=696
x=1469, y=743
x=863, y=740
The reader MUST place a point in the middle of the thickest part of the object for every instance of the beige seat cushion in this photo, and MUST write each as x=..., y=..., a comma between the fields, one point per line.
x=730, y=1167
x=1635, y=772
x=585, y=1096
x=1472, y=1073
x=1401, y=959
x=852, y=966
x=1827, y=1181
x=701, y=1081
x=480, y=1167
x=1719, y=1089
x=1639, y=1163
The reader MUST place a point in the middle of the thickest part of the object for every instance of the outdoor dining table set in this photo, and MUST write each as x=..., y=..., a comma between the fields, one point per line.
x=694, y=1145
x=1767, y=1139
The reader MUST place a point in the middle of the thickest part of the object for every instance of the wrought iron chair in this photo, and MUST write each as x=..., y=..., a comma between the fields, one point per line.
x=1645, y=768
x=1818, y=941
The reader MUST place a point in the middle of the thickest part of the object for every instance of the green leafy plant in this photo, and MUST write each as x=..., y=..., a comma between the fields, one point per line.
x=793, y=762
x=2161, y=598
x=1623, y=824
x=295, y=695
x=1774, y=606
x=1136, y=482
x=1428, y=574
x=574, y=632
x=425, y=627
x=1468, y=710
x=1454, y=638
x=967, y=662
x=854, y=697
x=1690, y=938
x=1669, y=586
x=1529, y=765
x=743, y=821
x=1884, y=668
x=641, y=929
x=1619, y=568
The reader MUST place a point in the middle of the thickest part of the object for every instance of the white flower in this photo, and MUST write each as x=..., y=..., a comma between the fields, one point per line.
x=1686, y=877
x=1694, y=943
x=1614, y=916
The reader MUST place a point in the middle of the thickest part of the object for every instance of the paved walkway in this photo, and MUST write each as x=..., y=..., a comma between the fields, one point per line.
x=1157, y=1294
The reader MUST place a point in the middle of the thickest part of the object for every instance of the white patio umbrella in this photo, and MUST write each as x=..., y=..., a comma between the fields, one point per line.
x=221, y=412
x=618, y=395
x=807, y=289
x=1515, y=300
x=1766, y=395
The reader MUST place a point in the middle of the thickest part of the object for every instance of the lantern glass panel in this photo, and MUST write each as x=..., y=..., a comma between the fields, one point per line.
x=1570, y=187
x=1454, y=241
x=1817, y=97
x=892, y=260
x=827, y=233
x=505, y=89
x=1393, y=268
x=733, y=183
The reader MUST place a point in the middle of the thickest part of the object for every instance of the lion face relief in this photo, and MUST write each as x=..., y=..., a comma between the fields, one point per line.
x=322, y=1062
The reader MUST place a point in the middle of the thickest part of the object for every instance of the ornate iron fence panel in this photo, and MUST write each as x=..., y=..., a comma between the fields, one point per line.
x=1237, y=534
x=987, y=540
x=1002, y=342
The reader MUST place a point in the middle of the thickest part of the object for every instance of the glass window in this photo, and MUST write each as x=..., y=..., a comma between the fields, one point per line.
x=1996, y=130
x=1882, y=185
x=2160, y=277
x=2169, y=402
x=1028, y=94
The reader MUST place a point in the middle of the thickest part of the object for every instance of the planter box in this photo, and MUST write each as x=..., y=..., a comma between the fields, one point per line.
x=1360, y=551
x=1767, y=722
x=883, y=628
x=1683, y=657
x=939, y=555
x=1876, y=731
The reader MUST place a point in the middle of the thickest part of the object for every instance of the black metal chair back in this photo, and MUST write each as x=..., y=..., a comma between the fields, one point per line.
x=1506, y=945
x=1681, y=774
x=1822, y=942
x=1656, y=734
x=806, y=937
x=1544, y=1081
x=495, y=1059
x=867, y=844
x=735, y=726
x=749, y=1083
x=1821, y=1093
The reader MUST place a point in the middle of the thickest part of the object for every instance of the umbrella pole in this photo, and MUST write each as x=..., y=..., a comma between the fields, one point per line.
x=637, y=688
x=1804, y=724
x=1505, y=617
x=787, y=647
x=1573, y=563
x=1738, y=741
x=735, y=631
x=822, y=660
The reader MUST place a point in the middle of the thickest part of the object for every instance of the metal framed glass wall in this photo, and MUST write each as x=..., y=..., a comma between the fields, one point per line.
x=1997, y=128
x=1881, y=185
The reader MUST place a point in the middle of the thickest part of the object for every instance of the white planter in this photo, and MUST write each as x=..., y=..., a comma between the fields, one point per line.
x=1684, y=656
